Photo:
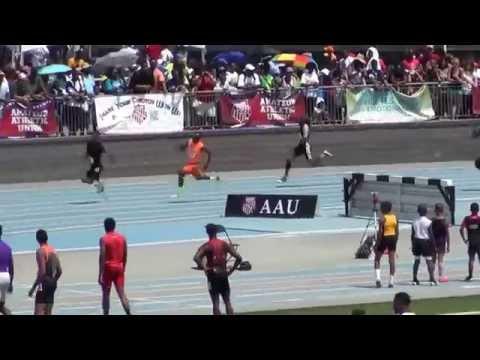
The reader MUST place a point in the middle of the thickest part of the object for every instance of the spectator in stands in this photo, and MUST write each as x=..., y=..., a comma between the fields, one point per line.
x=232, y=75
x=412, y=68
x=160, y=84
x=78, y=60
x=476, y=73
x=290, y=80
x=432, y=71
x=356, y=70
x=115, y=83
x=445, y=68
x=4, y=88
x=266, y=79
x=179, y=78
x=153, y=51
x=89, y=81
x=142, y=81
x=206, y=80
x=310, y=76
x=249, y=79
x=75, y=85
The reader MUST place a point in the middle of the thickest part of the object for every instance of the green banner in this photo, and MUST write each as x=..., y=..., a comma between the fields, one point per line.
x=388, y=105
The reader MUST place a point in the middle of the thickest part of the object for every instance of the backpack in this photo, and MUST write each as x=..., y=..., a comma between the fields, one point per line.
x=365, y=248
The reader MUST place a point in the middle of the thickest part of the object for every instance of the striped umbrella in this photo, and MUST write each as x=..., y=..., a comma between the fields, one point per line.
x=295, y=60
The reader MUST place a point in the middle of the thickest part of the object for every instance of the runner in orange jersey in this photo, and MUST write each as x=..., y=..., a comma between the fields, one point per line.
x=195, y=149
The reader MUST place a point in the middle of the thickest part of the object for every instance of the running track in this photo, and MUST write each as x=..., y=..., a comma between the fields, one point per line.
x=148, y=215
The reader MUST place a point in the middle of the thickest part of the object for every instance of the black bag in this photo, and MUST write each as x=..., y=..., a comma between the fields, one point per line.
x=365, y=248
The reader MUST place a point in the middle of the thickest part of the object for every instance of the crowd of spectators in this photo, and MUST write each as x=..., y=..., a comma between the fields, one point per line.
x=163, y=69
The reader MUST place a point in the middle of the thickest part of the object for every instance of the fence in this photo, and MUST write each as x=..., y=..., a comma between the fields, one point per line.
x=323, y=105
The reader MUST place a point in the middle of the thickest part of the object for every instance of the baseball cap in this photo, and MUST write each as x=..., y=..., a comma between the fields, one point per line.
x=249, y=67
x=2, y=73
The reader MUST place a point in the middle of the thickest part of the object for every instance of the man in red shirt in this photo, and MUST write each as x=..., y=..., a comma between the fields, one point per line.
x=113, y=262
x=211, y=257
x=472, y=224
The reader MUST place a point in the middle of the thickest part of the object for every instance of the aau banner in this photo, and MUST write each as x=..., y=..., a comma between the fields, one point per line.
x=271, y=206
x=261, y=110
x=388, y=106
x=140, y=114
x=34, y=119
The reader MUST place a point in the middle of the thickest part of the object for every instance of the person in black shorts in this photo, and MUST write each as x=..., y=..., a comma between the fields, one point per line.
x=423, y=244
x=387, y=239
x=472, y=224
x=303, y=148
x=95, y=150
x=211, y=257
x=49, y=271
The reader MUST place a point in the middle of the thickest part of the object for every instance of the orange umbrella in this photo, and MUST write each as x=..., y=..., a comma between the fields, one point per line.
x=295, y=60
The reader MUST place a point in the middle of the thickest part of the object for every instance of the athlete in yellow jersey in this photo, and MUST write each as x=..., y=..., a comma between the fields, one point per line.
x=195, y=149
x=386, y=240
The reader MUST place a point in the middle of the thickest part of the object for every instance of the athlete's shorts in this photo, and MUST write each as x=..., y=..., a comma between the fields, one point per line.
x=387, y=243
x=192, y=169
x=95, y=170
x=423, y=247
x=46, y=292
x=474, y=248
x=4, y=284
x=218, y=285
x=115, y=275
x=303, y=149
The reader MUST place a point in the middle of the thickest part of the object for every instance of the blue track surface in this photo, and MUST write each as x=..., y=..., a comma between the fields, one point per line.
x=146, y=212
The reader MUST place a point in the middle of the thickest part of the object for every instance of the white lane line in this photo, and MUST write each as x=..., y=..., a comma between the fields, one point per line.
x=173, y=242
x=464, y=313
x=287, y=300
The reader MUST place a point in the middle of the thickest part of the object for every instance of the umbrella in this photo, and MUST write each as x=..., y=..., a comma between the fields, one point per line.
x=27, y=48
x=296, y=60
x=124, y=58
x=54, y=69
x=230, y=57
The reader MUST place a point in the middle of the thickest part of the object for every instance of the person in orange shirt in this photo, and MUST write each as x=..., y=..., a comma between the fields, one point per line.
x=78, y=60
x=195, y=149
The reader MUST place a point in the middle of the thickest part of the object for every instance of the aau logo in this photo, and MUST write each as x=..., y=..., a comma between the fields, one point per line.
x=249, y=206
x=139, y=114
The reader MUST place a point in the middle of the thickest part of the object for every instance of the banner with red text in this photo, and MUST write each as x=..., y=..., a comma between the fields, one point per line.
x=261, y=110
x=28, y=120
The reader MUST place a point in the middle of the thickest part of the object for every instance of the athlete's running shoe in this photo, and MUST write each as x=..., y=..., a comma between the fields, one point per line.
x=100, y=188
x=283, y=179
x=327, y=153
x=87, y=181
x=433, y=283
x=390, y=286
x=378, y=284
x=415, y=282
x=468, y=278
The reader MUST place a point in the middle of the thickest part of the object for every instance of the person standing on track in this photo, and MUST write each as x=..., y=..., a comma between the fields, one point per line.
x=472, y=224
x=95, y=150
x=195, y=149
x=211, y=257
x=112, y=266
x=303, y=148
x=6, y=274
x=387, y=240
x=441, y=237
x=49, y=271
x=423, y=244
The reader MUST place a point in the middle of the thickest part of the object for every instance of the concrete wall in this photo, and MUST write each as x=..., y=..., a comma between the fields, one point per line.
x=58, y=159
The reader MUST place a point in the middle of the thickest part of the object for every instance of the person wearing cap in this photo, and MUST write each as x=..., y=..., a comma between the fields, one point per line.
x=232, y=75
x=266, y=79
x=4, y=88
x=249, y=79
x=195, y=148
x=222, y=80
x=211, y=257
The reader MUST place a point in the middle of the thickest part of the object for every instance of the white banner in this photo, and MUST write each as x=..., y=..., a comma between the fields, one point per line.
x=139, y=114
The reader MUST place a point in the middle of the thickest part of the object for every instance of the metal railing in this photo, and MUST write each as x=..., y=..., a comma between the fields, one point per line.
x=323, y=105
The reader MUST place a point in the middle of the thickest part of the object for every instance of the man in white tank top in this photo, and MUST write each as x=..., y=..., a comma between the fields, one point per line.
x=423, y=244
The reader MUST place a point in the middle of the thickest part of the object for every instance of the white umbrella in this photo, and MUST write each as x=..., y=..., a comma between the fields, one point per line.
x=124, y=58
x=27, y=48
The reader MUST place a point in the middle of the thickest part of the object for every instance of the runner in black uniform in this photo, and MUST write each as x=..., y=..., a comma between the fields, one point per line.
x=472, y=225
x=303, y=148
x=95, y=149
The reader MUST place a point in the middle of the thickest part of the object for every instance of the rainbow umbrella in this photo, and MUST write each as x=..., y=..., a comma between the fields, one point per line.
x=295, y=60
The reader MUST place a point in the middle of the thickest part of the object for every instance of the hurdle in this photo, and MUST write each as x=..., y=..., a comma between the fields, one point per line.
x=405, y=194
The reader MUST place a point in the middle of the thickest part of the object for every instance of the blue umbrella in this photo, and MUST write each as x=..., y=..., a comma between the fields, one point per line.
x=54, y=69
x=230, y=57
